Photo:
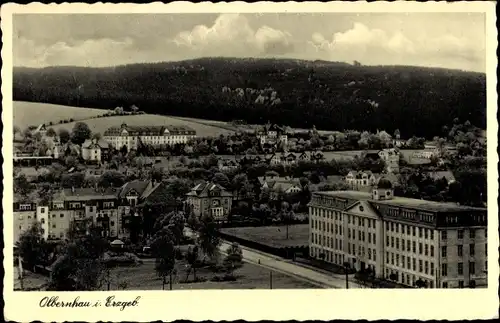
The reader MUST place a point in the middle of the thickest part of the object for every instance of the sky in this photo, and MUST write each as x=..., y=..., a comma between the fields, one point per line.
x=449, y=40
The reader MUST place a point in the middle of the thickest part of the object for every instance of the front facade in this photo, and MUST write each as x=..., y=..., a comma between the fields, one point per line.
x=210, y=199
x=272, y=135
x=94, y=150
x=391, y=158
x=360, y=179
x=133, y=136
x=439, y=245
x=25, y=216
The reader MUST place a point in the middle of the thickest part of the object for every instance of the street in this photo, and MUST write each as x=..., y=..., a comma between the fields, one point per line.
x=287, y=267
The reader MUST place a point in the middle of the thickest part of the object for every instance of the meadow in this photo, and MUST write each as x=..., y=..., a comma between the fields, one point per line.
x=27, y=113
x=33, y=114
x=298, y=234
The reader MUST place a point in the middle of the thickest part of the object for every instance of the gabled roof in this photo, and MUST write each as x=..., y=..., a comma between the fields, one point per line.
x=203, y=190
x=136, y=185
x=101, y=143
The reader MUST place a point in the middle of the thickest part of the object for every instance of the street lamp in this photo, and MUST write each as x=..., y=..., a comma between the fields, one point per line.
x=346, y=271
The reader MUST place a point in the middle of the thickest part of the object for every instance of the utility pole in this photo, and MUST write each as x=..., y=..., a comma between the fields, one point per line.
x=170, y=280
x=271, y=279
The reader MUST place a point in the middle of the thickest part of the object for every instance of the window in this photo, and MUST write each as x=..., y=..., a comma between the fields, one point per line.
x=426, y=267
x=392, y=242
x=432, y=268
x=43, y=221
x=387, y=241
x=444, y=235
x=413, y=231
x=42, y=210
x=432, y=251
x=420, y=265
x=444, y=270
x=432, y=234
x=472, y=268
x=472, y=233
x=420, y=249
x=444, y=251
x=414, y=246
x=387, y=257
x=403, y=261
x=403, y=244
x=397, y=227
x=460, y=250
x=409, y=263
x=460, y=234
x=445, y=284
x=61, y=215
x=460, y=284
x=392, y=258
x=397, y=243
x=369, y=237
x=460, y=268
x=426, y=233
x=408, y=245
x=54, y=226
x=472, y=249
x=397, y=260
x=426, y=249
x=374, y=239
x=374, y=255
x=414, y=264
x=420, y=232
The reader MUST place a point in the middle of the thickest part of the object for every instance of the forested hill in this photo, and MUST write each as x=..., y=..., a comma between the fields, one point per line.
x=331, y=96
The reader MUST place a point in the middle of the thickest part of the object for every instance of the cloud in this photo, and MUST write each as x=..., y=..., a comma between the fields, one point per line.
x=377, y=46
x=231, y=34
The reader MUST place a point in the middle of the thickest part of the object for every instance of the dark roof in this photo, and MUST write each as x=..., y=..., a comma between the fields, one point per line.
x=384, y=183
x=404, y=202
x=136, y=185
x=203, y=189
x=83, y=194
x=101, y=143
x=149, y=130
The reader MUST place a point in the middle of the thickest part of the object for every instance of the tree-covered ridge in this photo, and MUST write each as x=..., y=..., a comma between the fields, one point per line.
x=331, y=96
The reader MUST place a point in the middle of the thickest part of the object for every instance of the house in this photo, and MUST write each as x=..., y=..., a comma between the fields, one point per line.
x=272, y=135
x=41, y=129
x=228, y=165
x=212, y=199
x=391, y=158
x=317, y=156
x=94, y=150
x=438, y=175
x=130, y=197
x=276, y=185
x=361, y=179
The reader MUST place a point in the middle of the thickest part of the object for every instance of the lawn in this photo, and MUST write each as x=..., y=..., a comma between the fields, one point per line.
x=33, y=114
x=275, y=236
x=249, y=276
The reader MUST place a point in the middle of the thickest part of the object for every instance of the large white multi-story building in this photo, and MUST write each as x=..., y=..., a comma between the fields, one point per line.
x=133, y=136
x=401, y=239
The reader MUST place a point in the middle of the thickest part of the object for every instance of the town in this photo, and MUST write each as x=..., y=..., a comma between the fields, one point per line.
x=340, y=209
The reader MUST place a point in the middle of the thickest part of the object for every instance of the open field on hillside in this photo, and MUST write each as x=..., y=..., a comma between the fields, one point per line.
x=33, y=114
x=27, y=113
x=275, y=236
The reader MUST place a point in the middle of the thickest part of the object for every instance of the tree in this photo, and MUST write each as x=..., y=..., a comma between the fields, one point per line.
x=164, y=251
x=80, y=133
x=221, y=179
x=73, y=180
x=192, y=259
x=124, y=150
x=50, y=132
x=32, y=247
x=420, y=283
x=71, y=161
x=111, y=178
x=97, y=136
x=80, y=267
x=286, y=215
x=234, y=258
x=208, y=236
x=22, y=185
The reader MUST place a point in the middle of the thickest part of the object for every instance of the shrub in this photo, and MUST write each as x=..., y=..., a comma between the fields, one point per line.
x=112, y=259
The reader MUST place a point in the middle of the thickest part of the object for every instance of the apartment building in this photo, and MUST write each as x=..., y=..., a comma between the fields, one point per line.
x=94, y=150
x=133, y=136
x=25, y=215
x=405, y=240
